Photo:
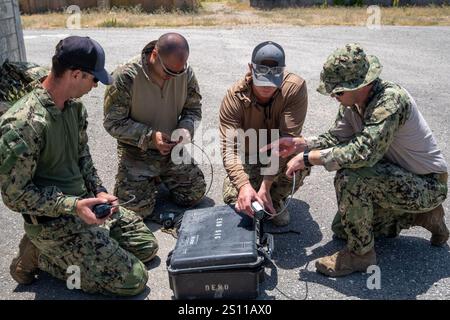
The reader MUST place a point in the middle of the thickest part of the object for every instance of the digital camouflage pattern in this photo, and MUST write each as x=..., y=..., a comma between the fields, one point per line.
x=348, y=68
x=375, y=196
x=140, y=177
x=280, y=190
x=381, y=201
x=23, y=132
x=110, y=256
x=388, y=108
x=16, y=80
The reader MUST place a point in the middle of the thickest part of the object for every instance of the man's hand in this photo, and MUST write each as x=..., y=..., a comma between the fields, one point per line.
x=295, y=164
x=264, y=194
x=246, y=196
x=84, y=210
x=286, y=146
x=162, y=142
x=110, y=198
x=183, y=136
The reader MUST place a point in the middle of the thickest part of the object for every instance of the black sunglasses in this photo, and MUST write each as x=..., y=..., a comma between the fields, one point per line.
x=340, y=93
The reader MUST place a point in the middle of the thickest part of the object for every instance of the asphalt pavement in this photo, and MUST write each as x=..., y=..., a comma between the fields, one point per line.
x=417, y=58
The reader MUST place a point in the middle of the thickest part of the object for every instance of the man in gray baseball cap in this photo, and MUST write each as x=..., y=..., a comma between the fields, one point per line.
x=269, y=101
x=268, y=63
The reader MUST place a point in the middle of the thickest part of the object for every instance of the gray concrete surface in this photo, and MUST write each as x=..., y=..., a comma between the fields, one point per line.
x=417, y=58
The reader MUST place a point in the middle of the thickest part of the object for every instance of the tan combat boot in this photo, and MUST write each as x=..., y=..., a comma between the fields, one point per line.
x=434, y=222
x=283, y=219
x=345, y=262
x=24, y=267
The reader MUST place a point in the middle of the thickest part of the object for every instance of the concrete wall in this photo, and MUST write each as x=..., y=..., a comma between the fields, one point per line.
x=12, y=46
x=267, y=4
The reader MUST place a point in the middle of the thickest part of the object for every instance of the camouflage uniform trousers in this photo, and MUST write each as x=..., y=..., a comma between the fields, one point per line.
x=109, y=256
x=280, y=190
x=140, y=178
x=381, y=201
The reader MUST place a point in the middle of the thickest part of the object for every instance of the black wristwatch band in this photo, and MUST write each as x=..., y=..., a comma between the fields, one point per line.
x=306, y=159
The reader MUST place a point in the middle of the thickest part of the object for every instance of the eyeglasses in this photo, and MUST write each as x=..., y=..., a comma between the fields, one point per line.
x=170, y=72
x=339, y=93
x=261, y=70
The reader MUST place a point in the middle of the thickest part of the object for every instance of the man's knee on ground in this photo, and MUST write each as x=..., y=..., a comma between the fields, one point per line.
x=131, y=284
x=142, y=190
x=149, y=252
x=191, y=195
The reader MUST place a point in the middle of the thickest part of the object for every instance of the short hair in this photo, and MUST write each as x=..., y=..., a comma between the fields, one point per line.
x=172, y=43
x=58, y=68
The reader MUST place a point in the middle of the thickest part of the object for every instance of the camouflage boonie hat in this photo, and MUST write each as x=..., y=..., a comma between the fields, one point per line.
x=348, y=69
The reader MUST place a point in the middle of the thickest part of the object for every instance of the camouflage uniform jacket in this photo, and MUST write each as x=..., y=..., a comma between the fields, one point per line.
x=358, y=140
x=16, y=80
x=119, y=101
x=24, y=131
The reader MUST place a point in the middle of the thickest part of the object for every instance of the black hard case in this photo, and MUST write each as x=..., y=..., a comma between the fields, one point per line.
x=216, y=256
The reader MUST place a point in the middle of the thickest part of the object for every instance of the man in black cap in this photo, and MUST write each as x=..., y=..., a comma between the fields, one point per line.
x=47, y=175
x=267, y=103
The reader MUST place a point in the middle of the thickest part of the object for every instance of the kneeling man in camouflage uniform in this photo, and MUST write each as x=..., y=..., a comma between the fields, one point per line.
x=47, y=175
x=267, y=103
x=154, y=97
x=391, y=175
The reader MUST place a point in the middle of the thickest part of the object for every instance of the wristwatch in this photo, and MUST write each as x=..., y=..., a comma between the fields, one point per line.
x=306, y=159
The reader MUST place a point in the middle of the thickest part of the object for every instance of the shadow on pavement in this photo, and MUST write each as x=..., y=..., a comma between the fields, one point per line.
x=409, y=267
x=291, y=243
x=49, y=288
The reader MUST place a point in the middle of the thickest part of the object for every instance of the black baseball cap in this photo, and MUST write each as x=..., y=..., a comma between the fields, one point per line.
x=268, y=54
x=83, y=53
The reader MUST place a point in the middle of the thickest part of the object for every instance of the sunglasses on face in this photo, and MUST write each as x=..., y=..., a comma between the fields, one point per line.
x=340, y=93
x=171, y=72
x=261, y=70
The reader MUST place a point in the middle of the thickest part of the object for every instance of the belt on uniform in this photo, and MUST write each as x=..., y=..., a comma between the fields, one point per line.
x=37, y=219
x=442, y=177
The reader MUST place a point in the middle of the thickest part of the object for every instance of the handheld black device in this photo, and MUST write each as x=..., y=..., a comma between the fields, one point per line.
x=103, y=209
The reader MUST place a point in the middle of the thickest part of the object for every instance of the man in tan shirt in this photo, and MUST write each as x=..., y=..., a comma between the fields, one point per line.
x=267, y=103
x=153, y=104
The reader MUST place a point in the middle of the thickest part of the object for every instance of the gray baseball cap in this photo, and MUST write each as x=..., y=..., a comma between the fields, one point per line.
x=268, y=54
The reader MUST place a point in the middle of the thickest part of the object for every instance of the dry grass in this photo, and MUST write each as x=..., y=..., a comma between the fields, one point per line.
x=354, y=16
x=237, y=12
